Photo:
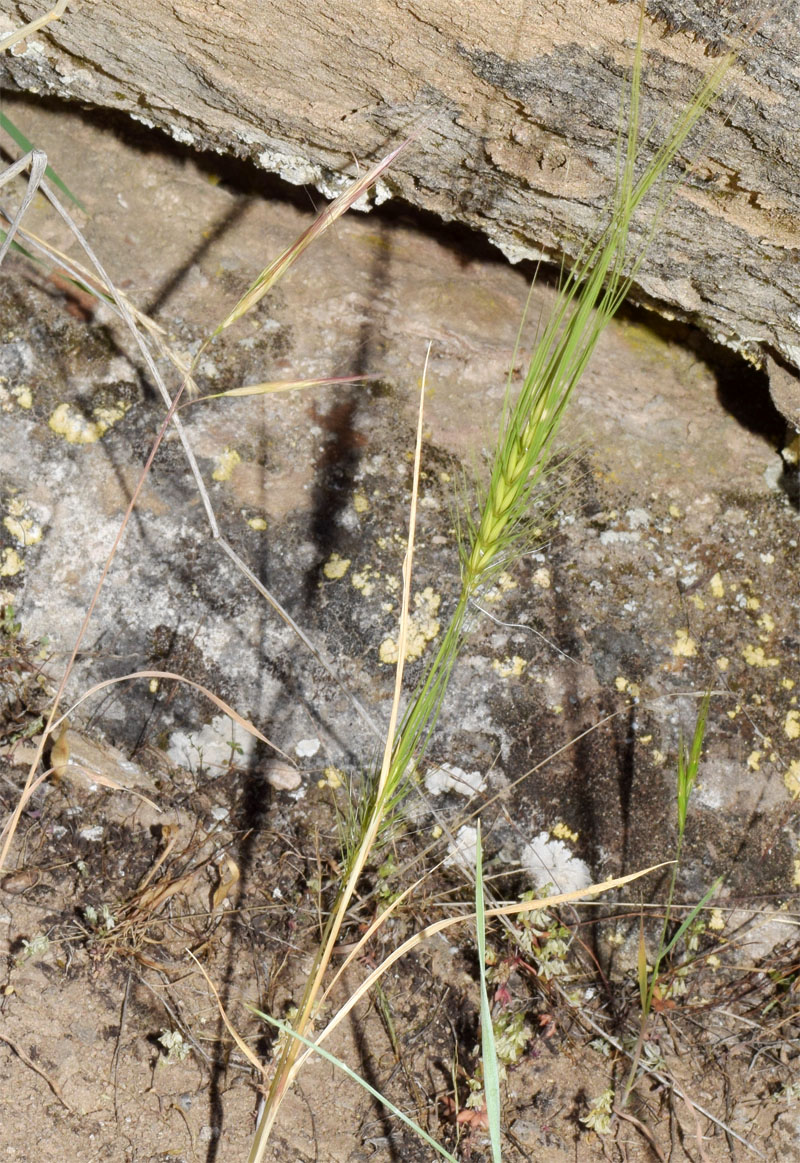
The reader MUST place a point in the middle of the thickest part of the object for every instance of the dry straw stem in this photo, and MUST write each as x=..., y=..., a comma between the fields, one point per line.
x=58, y=768
x=286, y=1070
x=510, y=910
x=33, y=26
x=97, y=282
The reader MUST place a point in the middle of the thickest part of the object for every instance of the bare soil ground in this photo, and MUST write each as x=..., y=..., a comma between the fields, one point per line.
x=666, y=564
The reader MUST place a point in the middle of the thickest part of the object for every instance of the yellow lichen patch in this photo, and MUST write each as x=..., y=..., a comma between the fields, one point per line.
x=755, y=656
x=153, y=686
x=257, y=523
x=787, y=683
x=697, y=601
x=334, y=778
x=226, y=463
x=24, y=530
x=362, y=580
x=360, y=503
x=796, y=874
x=675, y=512
x=723, y=663
x=23, y=396
x=792, y=724
x=767, y=622
x=106, y=417
x=436, y=832
x=336, y=567
x=76, y=428
x=753, y=604
x=754, y=760
x=503, y=583
x=620, y=683
x=11, y=563
x=387, y=651
x=684, y=646
x=423, y=626
x=541, y=578
x=509, y=667
x=716, y=586
x=561, y=831
x=791, y=778
x=658, y=757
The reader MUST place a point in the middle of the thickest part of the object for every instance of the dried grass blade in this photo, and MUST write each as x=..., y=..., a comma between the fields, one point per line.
x=448, y=923
x=245, y=1049
x=276, y=386
x=279, y=266
x=172, y=677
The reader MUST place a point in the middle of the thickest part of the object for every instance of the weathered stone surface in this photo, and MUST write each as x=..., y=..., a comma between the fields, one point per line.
x=516, y=107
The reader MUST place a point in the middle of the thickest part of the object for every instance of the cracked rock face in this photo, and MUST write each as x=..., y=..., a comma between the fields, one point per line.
x=516, y=111
x=663, y=563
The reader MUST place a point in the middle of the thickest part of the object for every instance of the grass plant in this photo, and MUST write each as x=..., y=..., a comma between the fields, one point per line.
x=491, y=1073
x=590, y=295
x=650, y=977
x=589, y=298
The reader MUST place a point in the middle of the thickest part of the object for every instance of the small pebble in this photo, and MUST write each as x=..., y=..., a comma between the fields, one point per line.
x=20, y=881
x=283, y=776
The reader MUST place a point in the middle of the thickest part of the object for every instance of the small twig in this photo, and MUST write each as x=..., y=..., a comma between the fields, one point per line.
x=23, y=1057
x=115, y=1056
x=643, y=1128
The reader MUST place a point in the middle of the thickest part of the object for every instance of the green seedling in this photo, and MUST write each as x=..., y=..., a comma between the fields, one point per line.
x=650, y=978
x=489, y=1062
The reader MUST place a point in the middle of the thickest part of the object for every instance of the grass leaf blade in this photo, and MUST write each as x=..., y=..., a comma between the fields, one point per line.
x=491, y=1075
x=19, y=138
x=337, y=1062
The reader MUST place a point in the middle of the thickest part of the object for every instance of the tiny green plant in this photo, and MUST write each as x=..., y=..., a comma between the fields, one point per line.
x=174, y=1046
x=489, y=1052
x=650, y=977
x=9, y=626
